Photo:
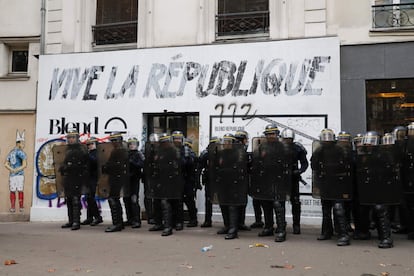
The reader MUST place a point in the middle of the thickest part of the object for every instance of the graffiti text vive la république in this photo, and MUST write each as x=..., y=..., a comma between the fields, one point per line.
x=224, y=78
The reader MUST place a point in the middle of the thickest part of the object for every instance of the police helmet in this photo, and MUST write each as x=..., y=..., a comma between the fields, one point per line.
x=371, y=138
x=92, y=140
x=214, y=139
x=358, y=139
x=410, y=129
x=344, y=136
x=133, y=141
x=288, y=133
x=116, y=136
x=154, y=137
x=73, y=132
x=327, y=135
x=164, y=137
x=388, y=139
x=241, y=135
x=229, y=138
x=399, y=133
x=188, y=142
x=271, y=129
x=178, y=135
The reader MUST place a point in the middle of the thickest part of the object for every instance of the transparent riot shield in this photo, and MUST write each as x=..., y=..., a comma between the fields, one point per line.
x=71, y=169
x=271, y=170
x=228, y=172
x=164, y=176
x=408, y=167
x=332, y=170
x=317, y=177
x=113, y=170
x=378, y=175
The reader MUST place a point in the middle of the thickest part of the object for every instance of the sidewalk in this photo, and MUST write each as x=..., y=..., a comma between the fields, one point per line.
x=46, y=249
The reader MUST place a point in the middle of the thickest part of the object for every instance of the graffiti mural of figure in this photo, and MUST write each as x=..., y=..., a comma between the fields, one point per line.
x=16, y=162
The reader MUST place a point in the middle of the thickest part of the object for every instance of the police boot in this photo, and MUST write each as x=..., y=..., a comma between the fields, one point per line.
x=167, y=217
x=258, y=223
x=157, y=213
x=135, y=212
x=149, y=210
x=128, y=211
x=384, y=227
x=339, y=213
x=69, y=205
x=234, y=213
x=76, y=212
x=192, y=212
x=268, y=217
x=327, y=228
x=226, y=221
x=208, y=214
x=242, y=218
x=89, y=217
x=296, y=210
x=116, y=213
x=280, y=210
x=94, y=211
x=178, y=214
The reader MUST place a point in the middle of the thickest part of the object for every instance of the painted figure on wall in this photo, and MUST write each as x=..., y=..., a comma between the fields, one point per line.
x=16, y=162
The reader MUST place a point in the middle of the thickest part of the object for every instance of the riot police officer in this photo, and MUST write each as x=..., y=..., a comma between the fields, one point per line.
x=243, y=137
x=299, y=155
x=331, y=165
x=408, y=181
x=74, y=170
x=131, y=201
x=378, y=180
x=117, y=168
x=93, y=216
x=166, y=182
x=202, y=169
x=228, y=171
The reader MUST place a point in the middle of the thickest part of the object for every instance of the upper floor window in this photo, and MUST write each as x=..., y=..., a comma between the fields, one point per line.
x=242, y=18
x=19, y=60
x=116, y=22
x=392, y=14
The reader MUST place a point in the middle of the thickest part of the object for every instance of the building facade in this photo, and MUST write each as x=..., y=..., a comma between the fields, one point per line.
x=205, y=67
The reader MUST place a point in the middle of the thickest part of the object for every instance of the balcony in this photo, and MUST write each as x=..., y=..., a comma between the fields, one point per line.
x=242, y=24
x=115, y=33
x=393, y=17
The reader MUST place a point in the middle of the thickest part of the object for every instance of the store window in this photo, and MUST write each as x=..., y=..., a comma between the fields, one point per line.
x=392, y=14
x=242, y=18
x=116, y=22
x=390, y=103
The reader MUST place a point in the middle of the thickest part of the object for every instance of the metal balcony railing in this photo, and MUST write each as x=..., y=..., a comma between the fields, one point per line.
x=393, y=16
x=115, y=33
x=236, y=24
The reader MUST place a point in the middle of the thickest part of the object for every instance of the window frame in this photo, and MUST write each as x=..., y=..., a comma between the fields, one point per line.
x=263, y=33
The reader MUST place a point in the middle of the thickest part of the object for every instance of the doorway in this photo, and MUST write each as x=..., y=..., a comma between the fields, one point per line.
x=168, y=122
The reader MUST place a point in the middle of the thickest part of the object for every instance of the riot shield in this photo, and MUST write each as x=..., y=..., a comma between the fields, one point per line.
x=71, y=169
x=113, y=170
x=378, y=175
x=271, y=170
x=228, y=173
x=408, y=167
x=332, y=170
x=164, y=176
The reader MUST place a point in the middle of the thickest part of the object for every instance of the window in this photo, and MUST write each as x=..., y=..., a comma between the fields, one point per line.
x=390, y=103
x=19, y=60
x=241, y=18
x=116, y=22
x=392, y=14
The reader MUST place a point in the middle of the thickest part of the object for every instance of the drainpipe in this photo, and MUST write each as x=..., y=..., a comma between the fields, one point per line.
x=42, y=27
